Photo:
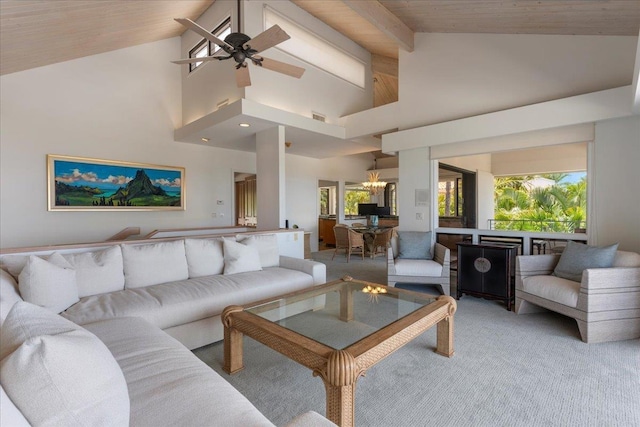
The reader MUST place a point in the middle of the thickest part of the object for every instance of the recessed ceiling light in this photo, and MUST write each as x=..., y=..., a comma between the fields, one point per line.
x=204, y=139
x=244, y=125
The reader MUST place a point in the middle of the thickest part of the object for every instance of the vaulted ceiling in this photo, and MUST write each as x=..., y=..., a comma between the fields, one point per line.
x=40, y=32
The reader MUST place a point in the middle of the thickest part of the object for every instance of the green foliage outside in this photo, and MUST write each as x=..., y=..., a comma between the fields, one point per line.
x=560, y=207
x=324, y=201
x=352, y=198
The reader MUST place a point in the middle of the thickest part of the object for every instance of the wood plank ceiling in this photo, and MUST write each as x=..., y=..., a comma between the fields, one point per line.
x=34, y=33
x=37, y=33
x=561, y=17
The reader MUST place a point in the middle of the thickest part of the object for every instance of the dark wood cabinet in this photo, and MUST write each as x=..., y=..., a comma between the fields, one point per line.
x=487, y=270
x=325, y=231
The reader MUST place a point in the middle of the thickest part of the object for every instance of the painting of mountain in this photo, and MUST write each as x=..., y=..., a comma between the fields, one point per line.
x=79, y=184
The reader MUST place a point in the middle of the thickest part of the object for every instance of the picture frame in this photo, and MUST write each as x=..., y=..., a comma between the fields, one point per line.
x=87, y=184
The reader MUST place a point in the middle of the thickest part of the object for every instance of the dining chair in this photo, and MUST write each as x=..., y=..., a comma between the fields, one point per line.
x=356, y=242
x=341, y=233
x=381, y=241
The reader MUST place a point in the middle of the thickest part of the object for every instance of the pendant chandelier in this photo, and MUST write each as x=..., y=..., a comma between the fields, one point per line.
x=374, y=185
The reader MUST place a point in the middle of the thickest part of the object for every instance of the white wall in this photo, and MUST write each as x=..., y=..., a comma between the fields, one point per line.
x=485, y=191
x=450, y=76
x=121, y=105
x=213, y=81
x=302, y=177
x=317, y=90
x=558, y=158
x=471, y=163
x=616, y=179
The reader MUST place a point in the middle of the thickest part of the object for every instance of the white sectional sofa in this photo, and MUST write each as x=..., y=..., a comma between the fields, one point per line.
x=114, y=302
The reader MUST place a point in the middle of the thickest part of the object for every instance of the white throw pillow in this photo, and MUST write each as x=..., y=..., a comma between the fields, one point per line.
x=98, y=272
x=14, y=264
x=49, y=283
x=239, y=258
x=61, y=374
x=204, y=257
x=267, y=246
x=146, y=265
x=9, y=294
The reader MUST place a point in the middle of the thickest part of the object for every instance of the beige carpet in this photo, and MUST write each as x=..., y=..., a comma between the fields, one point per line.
x=508, y=370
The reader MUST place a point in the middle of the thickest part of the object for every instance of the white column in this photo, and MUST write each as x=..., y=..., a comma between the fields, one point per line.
x=415, y=175
x=340, y=203
x=270, y=172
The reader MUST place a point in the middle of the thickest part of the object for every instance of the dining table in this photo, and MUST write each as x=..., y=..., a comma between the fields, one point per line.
x=369, y=235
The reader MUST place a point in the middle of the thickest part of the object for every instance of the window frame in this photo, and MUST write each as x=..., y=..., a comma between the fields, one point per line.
x=212, y=48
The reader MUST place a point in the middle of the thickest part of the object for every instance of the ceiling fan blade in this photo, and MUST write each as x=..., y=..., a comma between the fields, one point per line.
x=192, y=60
x=267, y=39
x=242, y=77
x=282, y=67
x=203, y=32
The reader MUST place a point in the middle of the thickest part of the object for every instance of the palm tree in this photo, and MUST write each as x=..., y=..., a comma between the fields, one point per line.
x=560, y=207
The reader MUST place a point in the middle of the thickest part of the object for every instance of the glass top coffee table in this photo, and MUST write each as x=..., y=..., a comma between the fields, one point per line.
x=338, y=330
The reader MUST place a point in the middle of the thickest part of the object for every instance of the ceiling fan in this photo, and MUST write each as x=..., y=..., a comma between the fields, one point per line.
x=241, y=47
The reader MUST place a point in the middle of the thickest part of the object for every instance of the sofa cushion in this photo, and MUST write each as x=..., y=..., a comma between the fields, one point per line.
x=9, y=294
x=239, y=258
x=151, y=264
x=562, y=291
x=414, y=245
x=178, y=303
x=60, y=374
x=98, y=272
x=577, y=257
x=49, y=283
x=169, y=385
x=267, y=246
x=418, y=267
x=10, y=415
x=204, y=256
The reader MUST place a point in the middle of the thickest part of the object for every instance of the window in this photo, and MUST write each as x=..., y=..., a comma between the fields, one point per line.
x=316, y=51
x=353, y=195
x=206, y=48
x=553, y=202
x=391, y=197
x=450, y=200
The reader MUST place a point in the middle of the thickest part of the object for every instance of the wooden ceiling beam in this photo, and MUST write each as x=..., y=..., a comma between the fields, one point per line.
x=374, y=12
x=384, y=65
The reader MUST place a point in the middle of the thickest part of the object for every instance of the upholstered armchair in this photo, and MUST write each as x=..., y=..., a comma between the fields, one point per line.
x=605, y=302
x=432, y=269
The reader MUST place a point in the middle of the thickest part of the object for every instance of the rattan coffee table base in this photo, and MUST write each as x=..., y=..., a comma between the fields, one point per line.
x=339, y=369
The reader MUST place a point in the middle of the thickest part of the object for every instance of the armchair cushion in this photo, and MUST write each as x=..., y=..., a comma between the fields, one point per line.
x=414, y=245
x=418, y=267
x=577, y=257
x=562, y=291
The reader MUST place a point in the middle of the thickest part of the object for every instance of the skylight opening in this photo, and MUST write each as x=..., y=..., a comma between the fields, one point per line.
x=316, y=51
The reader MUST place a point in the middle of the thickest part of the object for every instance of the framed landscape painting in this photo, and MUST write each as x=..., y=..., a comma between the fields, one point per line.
x=77, y=183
